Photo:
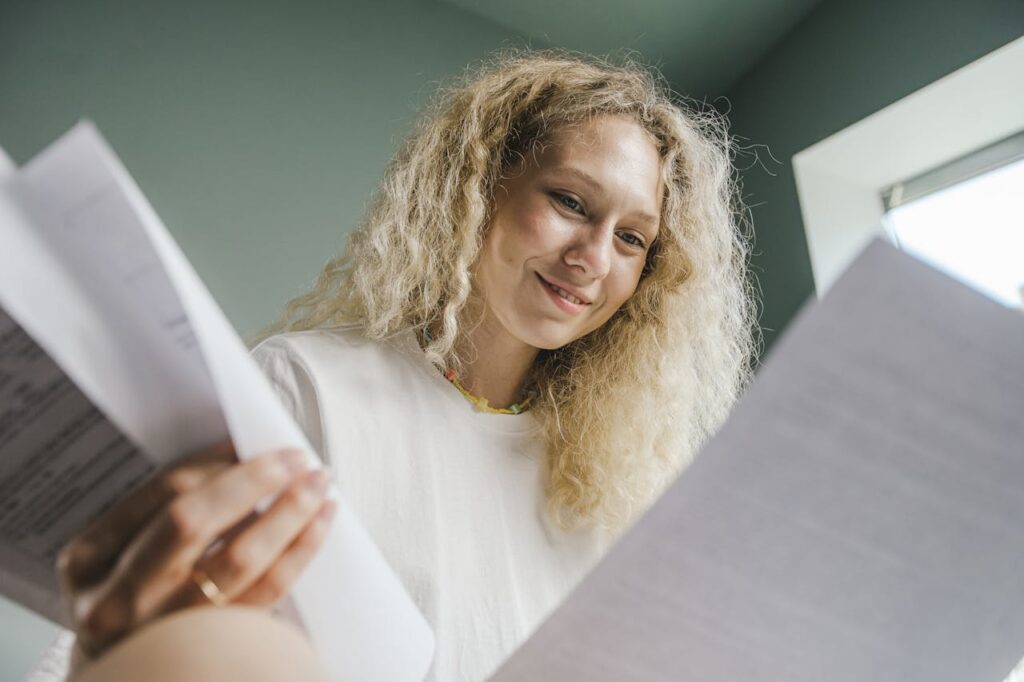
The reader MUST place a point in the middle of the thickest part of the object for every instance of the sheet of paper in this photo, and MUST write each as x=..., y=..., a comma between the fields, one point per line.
x=80, y=275
x=115, y=303
x=859, y=517
x=61, y=463
x=7, y=167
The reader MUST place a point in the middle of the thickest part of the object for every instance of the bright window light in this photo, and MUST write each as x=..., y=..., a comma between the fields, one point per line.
x=973, y=230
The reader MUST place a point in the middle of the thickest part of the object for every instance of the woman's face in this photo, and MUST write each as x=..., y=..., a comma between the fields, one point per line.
x=570, y=233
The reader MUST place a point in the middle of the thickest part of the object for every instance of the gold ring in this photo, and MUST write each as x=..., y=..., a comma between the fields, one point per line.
x=209, y=588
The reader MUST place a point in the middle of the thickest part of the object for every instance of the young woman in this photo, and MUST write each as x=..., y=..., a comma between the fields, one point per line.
x=543, y=315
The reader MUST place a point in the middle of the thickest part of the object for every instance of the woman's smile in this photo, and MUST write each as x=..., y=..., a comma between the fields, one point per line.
x=562, y=297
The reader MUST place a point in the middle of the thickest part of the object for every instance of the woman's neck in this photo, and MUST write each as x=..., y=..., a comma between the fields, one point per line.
x=495, y=364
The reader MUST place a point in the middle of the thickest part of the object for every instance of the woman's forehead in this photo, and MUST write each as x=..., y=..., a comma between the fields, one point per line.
x=606, y=154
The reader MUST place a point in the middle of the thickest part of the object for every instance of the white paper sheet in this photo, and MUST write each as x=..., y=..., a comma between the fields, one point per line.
x=88, y=270
x=860, y=517
x=61, y=462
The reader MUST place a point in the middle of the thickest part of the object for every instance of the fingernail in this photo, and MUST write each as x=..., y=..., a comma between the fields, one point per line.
x=328, y=511
x=318, y=481
x=294, y=461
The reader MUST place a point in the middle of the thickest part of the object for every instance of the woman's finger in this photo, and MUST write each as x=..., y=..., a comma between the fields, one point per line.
x=160, y=560
x=245, y=558
x=90, y=554
x=154, y=567
x=279, y=579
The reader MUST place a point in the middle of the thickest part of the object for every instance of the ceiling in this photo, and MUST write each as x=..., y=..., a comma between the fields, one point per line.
x=702, y=46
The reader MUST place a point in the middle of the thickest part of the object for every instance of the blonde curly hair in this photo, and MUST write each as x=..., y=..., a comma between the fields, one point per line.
x=624, y=408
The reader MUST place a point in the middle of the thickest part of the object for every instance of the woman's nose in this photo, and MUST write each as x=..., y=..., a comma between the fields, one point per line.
x=591, y=251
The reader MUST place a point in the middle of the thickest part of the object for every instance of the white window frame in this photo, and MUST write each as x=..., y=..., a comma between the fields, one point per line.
x=993, y=157
x=841, y=180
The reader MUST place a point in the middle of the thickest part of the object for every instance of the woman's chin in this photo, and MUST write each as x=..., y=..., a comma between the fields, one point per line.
x=546, y=338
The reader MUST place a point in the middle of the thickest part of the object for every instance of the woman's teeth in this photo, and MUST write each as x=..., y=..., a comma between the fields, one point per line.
x=564, y=294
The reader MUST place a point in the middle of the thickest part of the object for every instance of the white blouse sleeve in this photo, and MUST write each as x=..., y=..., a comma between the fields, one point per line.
x=294, y=385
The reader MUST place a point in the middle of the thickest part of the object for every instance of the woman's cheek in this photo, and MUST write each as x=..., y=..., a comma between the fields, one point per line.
x=544, y=229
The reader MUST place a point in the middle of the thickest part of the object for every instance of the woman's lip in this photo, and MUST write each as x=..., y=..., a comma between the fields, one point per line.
x=562, y=303
x=565, y=287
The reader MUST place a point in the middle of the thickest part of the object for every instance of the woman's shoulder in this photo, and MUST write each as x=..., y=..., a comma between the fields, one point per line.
x=314, y=341
x=337, y=351
x=347, y=345
x=337, y=371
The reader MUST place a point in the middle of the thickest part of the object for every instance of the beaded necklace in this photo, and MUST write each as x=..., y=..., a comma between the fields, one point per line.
x=478, y=402
x=481, y=403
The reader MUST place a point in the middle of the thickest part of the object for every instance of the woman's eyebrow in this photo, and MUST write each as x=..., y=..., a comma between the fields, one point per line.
x=581, y=175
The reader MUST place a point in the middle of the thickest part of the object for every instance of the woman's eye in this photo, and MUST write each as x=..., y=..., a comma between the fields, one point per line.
x=568, y=202
x=631, y=239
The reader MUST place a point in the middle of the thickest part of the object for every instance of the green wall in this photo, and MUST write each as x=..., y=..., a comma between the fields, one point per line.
x=846, y=60
x=257, y=129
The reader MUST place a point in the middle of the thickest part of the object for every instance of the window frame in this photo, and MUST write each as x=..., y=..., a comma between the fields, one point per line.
x=841, y=179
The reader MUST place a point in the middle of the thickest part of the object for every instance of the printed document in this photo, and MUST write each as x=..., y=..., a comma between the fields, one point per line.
x=114, y=362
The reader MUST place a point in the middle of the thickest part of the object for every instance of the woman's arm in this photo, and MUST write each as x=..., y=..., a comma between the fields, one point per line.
x=210, y=645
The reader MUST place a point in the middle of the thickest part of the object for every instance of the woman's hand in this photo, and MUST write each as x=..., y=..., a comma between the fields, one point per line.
x=150, y=554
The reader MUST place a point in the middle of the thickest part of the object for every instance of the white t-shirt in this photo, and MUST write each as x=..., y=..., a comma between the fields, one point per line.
x=453, y=497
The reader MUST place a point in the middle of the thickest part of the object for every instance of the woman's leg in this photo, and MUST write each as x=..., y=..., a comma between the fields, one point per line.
x=210, y=645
